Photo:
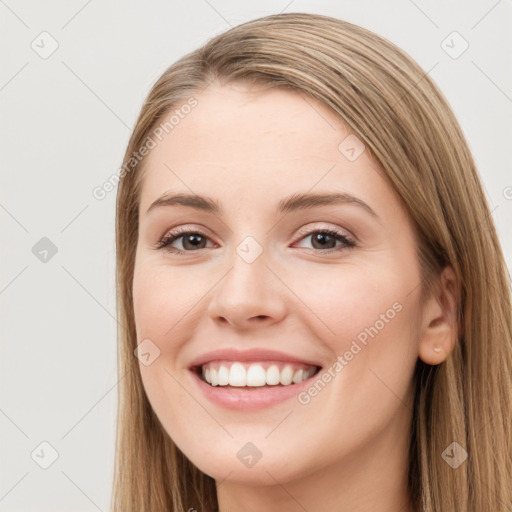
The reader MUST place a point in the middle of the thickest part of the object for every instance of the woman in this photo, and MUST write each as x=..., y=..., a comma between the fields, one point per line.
x=315, y=304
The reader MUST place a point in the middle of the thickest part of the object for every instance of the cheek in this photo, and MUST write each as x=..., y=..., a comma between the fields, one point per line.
x=162, y=297
x=368, y=317
x=162, y=300
x=374, y=318
x=352, y=301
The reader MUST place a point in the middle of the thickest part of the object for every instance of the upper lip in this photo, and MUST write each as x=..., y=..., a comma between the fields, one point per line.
x=255, y=354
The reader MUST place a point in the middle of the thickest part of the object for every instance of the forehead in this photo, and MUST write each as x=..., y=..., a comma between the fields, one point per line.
x=256, y=144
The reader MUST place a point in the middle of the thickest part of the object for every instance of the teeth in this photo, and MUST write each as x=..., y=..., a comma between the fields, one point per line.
x=273, y=375
x=223, y=376
x=255, y=375
x=297, y=376
x=286, y=377
x=214, y=376
x=237, y=375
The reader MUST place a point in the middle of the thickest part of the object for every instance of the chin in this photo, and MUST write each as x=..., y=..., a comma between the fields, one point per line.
x=245, y=463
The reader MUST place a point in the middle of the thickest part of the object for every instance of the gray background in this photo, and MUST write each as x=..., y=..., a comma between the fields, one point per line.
x=66, y=119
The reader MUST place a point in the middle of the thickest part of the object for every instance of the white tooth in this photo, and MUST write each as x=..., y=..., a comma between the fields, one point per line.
x=214, y=376
x=223, y=376
x=297, y=376
x=286, y=375
x=237, y=375
x=256, y=375
x=273, y=375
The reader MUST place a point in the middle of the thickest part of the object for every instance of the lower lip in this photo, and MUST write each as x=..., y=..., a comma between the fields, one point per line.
x=247, y=398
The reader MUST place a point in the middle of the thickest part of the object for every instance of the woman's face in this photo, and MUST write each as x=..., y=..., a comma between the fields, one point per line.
x=260, y=274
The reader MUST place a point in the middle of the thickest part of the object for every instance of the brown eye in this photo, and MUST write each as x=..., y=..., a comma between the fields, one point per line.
x=325, y=240
x=191, y=241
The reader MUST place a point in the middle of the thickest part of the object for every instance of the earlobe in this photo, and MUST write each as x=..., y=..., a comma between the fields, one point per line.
x=440, y=323
x=432, y=354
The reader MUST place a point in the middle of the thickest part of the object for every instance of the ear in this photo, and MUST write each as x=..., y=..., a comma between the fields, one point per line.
x=439, y=329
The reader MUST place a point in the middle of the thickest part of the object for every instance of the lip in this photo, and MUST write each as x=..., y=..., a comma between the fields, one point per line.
x=244, y=399
x=255, y=354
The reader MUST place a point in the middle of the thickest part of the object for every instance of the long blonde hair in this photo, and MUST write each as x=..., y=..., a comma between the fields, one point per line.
x=392, y=105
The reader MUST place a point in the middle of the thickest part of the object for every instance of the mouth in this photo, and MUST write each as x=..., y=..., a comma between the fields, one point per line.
x=238, y=375
x=252, y=380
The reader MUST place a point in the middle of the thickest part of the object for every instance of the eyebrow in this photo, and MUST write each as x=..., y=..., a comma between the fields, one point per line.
x=295, y=202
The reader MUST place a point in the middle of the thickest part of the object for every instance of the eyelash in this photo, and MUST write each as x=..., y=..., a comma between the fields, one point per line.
x=169, y=238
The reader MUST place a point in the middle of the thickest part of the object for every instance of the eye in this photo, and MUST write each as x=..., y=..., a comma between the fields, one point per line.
x=324, y=240
x=192, y=240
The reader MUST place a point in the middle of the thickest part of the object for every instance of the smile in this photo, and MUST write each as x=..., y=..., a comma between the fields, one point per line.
x=255, y=374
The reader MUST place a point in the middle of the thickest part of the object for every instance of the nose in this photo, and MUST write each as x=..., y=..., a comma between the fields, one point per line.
x=249, y=294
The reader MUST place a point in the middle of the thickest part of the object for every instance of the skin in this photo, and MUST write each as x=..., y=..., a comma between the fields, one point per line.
x=347, y=448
